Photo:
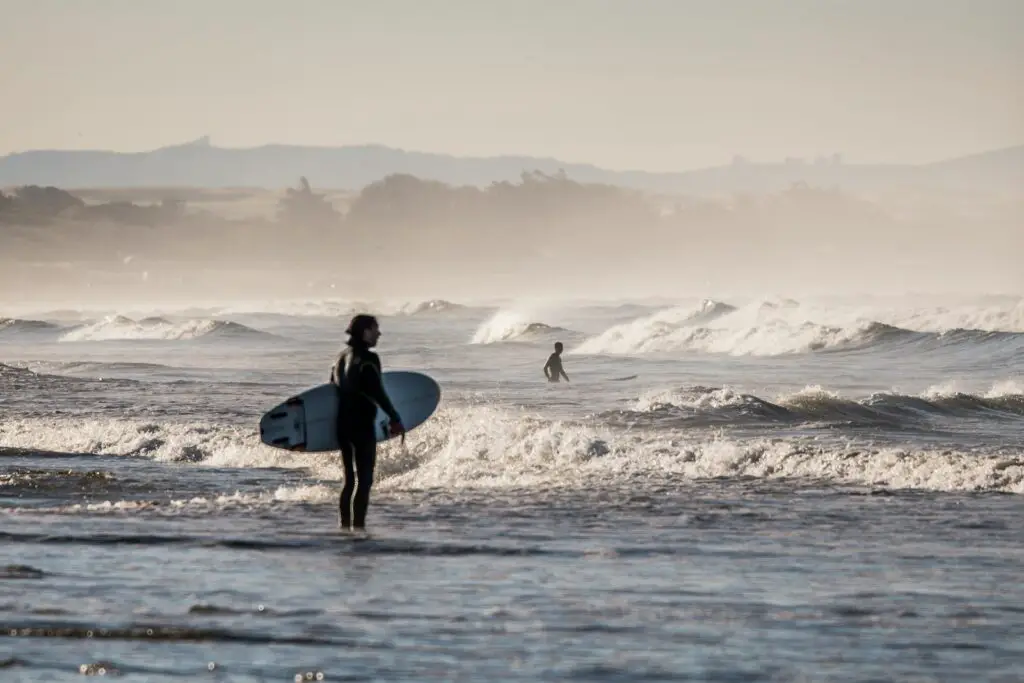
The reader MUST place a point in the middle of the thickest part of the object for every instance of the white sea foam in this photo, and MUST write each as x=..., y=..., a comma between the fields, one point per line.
x=474, y=447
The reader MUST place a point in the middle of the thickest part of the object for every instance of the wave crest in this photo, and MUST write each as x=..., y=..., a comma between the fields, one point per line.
x=706, y=406
x=20, y=326
x=506, y=326
x=431, y=306
x=773, y=329
x=121, y=328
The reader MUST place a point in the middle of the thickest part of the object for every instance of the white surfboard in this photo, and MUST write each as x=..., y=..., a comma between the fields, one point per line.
x=308, y=421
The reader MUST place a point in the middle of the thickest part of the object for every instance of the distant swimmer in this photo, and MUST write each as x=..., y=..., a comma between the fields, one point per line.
x=553, y=368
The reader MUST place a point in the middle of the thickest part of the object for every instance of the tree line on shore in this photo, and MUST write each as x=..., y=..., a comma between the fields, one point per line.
x=402, y=202
x=549, y=222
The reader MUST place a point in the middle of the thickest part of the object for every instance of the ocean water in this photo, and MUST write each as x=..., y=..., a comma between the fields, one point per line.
x=773, y=490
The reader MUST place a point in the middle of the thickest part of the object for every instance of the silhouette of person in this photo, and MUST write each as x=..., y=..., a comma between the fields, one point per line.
x=553, y=368
x=357, y=374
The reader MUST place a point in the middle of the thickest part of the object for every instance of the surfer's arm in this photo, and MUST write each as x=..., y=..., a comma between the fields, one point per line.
x=374, y=388
x=336, y=370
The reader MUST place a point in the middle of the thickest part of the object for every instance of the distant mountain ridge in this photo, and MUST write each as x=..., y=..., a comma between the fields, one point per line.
x=201, y=164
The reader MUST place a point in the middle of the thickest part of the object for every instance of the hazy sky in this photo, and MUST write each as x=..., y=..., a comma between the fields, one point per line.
x=655, y=84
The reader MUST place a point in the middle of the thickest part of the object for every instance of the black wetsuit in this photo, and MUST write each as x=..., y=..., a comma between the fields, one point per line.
x=357, y=374
x=555, y=365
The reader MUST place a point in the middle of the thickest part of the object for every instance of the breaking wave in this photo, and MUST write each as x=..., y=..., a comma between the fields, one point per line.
x=505, y=326
x=432, y=306
x=329, y=308
x=475, y=447
x=707, y=406
x=772, y=329
x=121, y=328
x=164, y=441
x=17, y=326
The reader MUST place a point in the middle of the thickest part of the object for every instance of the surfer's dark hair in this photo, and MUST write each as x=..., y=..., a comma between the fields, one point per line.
x=359, y=324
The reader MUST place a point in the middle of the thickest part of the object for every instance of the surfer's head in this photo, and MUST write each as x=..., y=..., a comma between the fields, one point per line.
x=558, y=347
x=363, y=329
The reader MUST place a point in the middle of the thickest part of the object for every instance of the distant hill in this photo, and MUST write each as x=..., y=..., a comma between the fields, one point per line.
x=200, y=164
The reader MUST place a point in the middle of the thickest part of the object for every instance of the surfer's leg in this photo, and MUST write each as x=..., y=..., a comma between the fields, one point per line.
x=366, y=461
x=345, y=501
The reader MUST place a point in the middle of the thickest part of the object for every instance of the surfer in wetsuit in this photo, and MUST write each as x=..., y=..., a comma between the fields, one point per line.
x=357, y=374
x=553, y=368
